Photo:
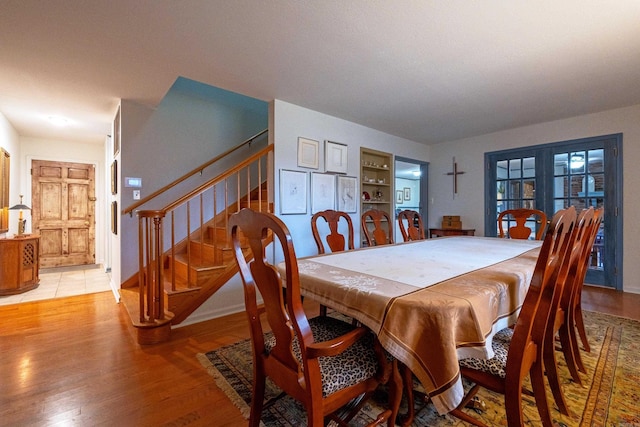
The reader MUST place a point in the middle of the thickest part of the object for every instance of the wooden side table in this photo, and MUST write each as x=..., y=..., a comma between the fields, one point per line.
x=19, y=264
x=441, y=232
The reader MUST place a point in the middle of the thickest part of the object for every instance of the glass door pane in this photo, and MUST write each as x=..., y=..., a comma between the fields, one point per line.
x=579, y=180
x=516, y=188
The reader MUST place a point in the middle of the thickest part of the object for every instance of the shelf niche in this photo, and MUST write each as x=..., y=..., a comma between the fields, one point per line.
x=376, y=183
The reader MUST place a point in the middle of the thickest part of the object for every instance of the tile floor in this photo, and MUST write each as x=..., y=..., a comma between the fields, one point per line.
x=64, y=282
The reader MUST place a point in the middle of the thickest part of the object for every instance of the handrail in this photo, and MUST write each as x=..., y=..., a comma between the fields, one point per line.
x=188, y=175
x=217, y=178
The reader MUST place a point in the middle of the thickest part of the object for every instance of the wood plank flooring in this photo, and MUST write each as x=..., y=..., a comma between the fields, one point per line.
x=75, y=361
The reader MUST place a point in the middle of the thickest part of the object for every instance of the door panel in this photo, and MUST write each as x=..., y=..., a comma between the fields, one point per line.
x=580, y=173
x=64, y=212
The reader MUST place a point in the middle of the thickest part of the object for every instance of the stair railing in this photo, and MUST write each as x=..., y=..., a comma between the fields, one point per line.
x=193, y=172
x=194, y=227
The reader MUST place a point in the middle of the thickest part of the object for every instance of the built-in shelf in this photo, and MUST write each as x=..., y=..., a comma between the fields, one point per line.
x=376, y=181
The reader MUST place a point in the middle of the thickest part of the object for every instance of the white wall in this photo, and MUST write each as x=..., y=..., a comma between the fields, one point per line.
x=469, y=153
x=161, y=145
x=292, y=121
x=10, y=141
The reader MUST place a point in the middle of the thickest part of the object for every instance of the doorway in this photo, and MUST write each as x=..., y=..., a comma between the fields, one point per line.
x=581, y=173
x=63, y=212
x=411, y=188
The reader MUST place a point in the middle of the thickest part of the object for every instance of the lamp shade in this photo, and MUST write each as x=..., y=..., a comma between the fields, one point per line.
x=19, y=206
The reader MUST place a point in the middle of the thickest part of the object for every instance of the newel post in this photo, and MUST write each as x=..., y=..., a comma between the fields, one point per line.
x=150, y=262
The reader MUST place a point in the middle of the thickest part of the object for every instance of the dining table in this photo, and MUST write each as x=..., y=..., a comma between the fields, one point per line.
x=430, y=302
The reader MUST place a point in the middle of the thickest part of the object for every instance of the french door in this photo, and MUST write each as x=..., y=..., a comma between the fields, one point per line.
x=549, y=177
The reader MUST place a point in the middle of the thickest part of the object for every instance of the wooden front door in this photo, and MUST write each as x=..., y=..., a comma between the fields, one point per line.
x=63, y=212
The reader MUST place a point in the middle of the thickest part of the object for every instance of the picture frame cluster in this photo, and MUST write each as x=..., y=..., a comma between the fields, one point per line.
x=330, y=189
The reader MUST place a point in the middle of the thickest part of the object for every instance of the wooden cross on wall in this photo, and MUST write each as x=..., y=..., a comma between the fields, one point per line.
x=455, y=174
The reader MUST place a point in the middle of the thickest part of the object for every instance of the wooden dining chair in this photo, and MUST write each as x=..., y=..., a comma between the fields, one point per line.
x=378, y=235
x=322, y=362
x=411, y=225
x=576, y=317
x=518, y=351
x=335, y=240
x=558, y=325
x=521, y=216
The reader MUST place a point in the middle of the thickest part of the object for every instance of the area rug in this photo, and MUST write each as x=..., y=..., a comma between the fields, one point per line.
x=610, y=395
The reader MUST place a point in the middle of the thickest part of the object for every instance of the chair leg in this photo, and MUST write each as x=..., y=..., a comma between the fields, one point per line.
x=573, y=331
x=323, y=310
x=581, y=329
x=395, y=393
x=257, y=399
x=569, y=351
x=460, y=414
x=513, y=398
x=407, y=386
x=551, y=367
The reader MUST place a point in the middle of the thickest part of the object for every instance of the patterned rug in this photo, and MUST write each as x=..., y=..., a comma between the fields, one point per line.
x=610, y=395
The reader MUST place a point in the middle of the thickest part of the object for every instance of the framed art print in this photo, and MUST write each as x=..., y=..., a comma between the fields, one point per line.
x=293, y=192
x=308, y=150
x=114, y=217
x=116, y=133
x=114, y=177
x=347, y=189
x=323, y=192
x=335, y=157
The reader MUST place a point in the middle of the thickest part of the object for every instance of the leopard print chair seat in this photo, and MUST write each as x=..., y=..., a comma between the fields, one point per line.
x=356, y=364
x=498, y=363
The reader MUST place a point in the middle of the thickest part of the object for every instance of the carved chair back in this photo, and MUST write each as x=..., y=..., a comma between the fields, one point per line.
x=335, y=240
x=380, y=220
x=521, y=216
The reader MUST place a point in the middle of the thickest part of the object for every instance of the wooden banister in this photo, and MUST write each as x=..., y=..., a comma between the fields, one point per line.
x=182, y=236
x=219, y=178
x=188, y=175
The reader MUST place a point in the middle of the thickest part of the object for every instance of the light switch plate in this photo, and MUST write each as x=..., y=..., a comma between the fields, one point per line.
x=136, y=194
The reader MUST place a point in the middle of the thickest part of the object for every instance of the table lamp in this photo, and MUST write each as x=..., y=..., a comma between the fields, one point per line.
x=22, y=223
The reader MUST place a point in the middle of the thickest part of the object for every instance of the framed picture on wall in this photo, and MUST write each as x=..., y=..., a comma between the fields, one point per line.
x=116, y=133
x=323, y=192
x=347, y=190
x=293, y=192
x=407, y=194
x=399, y=197
x=335, y=157
x=114, y=177
x=114, y=217
x=308, y=150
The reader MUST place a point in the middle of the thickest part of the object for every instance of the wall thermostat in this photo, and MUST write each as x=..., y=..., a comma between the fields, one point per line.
x=133, y=182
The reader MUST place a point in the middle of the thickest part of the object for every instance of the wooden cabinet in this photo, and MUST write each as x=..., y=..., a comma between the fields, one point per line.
x=441, y=232
x=19, y=264
x=376, y=182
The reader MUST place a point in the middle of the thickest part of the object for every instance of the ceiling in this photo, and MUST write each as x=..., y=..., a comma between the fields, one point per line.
x=426, y=70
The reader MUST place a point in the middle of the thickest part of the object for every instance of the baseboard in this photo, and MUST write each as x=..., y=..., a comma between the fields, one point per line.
x=210, y=314
x=632, y=290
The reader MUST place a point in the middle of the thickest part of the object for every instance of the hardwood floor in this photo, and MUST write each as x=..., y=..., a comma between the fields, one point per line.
x=75, y=361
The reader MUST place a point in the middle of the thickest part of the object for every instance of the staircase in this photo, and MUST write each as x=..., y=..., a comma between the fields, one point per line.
x=185, y=252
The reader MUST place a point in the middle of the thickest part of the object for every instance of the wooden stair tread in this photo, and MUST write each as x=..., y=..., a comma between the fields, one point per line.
x=198, y=264
x=181, y=286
